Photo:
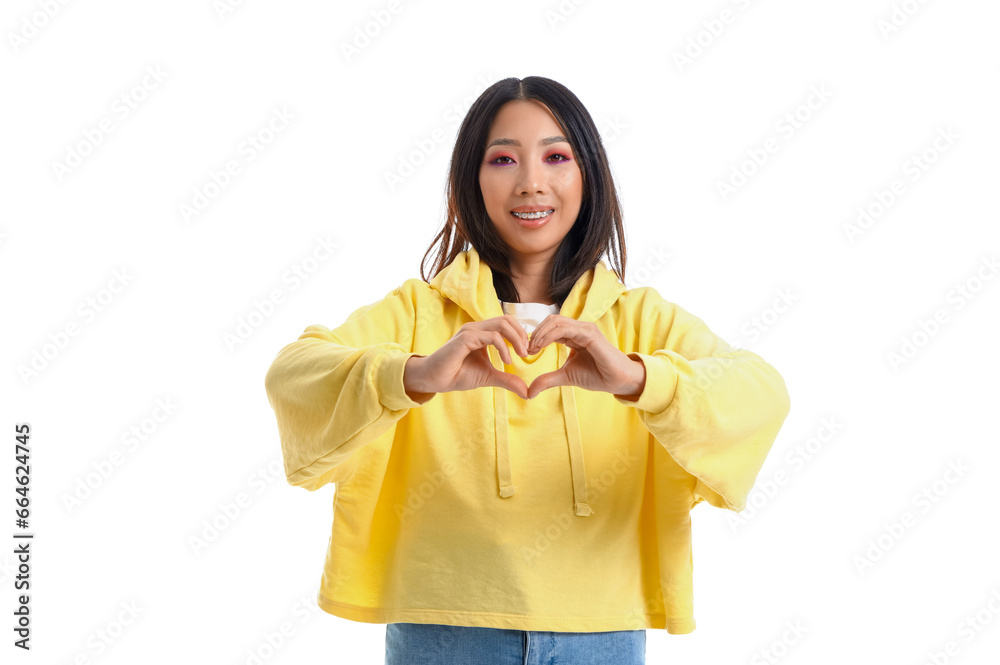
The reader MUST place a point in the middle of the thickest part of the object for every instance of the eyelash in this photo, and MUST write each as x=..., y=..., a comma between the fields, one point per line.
x=555, y=154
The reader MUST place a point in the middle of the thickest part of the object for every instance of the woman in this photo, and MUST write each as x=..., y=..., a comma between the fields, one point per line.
x=523, y=358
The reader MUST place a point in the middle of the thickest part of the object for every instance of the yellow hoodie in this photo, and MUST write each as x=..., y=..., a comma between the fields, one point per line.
x=468, y=509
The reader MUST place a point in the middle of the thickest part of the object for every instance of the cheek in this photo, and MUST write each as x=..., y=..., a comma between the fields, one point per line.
x=571, y=188
x=488, y=186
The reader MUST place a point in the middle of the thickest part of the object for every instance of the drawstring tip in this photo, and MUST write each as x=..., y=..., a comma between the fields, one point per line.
x=507, y=491
x=583, y=509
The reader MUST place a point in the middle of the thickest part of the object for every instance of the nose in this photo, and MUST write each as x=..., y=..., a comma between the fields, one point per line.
x=530, y=178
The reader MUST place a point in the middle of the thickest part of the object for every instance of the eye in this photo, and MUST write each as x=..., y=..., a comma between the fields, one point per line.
x=559, y=154
x=496, y=160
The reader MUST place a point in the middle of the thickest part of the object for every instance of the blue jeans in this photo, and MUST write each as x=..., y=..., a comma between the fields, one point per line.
x=439, y=644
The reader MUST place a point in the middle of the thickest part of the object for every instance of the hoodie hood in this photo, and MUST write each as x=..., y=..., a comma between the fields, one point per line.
x=468, y=282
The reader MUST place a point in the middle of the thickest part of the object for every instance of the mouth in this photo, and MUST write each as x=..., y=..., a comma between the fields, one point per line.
x=533, y=219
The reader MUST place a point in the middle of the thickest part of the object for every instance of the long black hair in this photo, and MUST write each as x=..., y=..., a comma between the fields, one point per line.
x=598, y=227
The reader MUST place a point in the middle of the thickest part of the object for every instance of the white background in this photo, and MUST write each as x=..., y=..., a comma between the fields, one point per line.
x=674, y=131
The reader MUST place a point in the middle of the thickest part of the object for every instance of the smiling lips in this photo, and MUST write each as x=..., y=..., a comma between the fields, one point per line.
x=541, y=214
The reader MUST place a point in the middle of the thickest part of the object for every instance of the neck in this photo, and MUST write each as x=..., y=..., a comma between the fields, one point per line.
x=531, y=278
x=532, y=285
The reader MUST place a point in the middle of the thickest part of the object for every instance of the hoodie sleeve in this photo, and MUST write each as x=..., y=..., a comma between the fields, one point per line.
x=333, y=391
x=715, y=408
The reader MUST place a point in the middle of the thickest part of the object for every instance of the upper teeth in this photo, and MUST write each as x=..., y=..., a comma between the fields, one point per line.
x=533, y=215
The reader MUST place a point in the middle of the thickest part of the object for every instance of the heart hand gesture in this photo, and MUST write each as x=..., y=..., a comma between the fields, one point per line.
x=593, y=362
x=463, y=362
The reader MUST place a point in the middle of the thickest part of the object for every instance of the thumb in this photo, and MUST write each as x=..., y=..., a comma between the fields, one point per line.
x=546, y=381
x=511, y=382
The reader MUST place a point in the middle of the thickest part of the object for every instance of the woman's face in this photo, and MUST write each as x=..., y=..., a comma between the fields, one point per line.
x=529, y=166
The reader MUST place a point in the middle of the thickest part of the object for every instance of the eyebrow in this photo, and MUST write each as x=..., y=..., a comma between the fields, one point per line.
x=546, y=141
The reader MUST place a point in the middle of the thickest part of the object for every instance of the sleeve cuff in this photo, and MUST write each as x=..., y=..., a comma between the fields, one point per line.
x=388, y=376
x=661, y=383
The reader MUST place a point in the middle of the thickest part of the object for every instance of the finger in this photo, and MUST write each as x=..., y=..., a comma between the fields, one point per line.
x=515, y=332
x=522, y=334
x=537, y=333
x=511, y=332
x=546, y=381
x=517, y=385
x=483, y=339
x=511, y=382
x=533, y=344
x=570, y=333
x=497, y=340
x=545, y=334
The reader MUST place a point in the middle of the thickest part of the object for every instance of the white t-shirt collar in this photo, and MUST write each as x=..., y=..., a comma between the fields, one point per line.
x=529, y=314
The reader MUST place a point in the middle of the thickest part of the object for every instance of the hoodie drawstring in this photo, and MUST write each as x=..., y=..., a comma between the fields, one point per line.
x=507, y=487
x=581, y=507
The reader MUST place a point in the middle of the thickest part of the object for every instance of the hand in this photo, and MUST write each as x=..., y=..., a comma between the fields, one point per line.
x=463, y=362
x=593, y=362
